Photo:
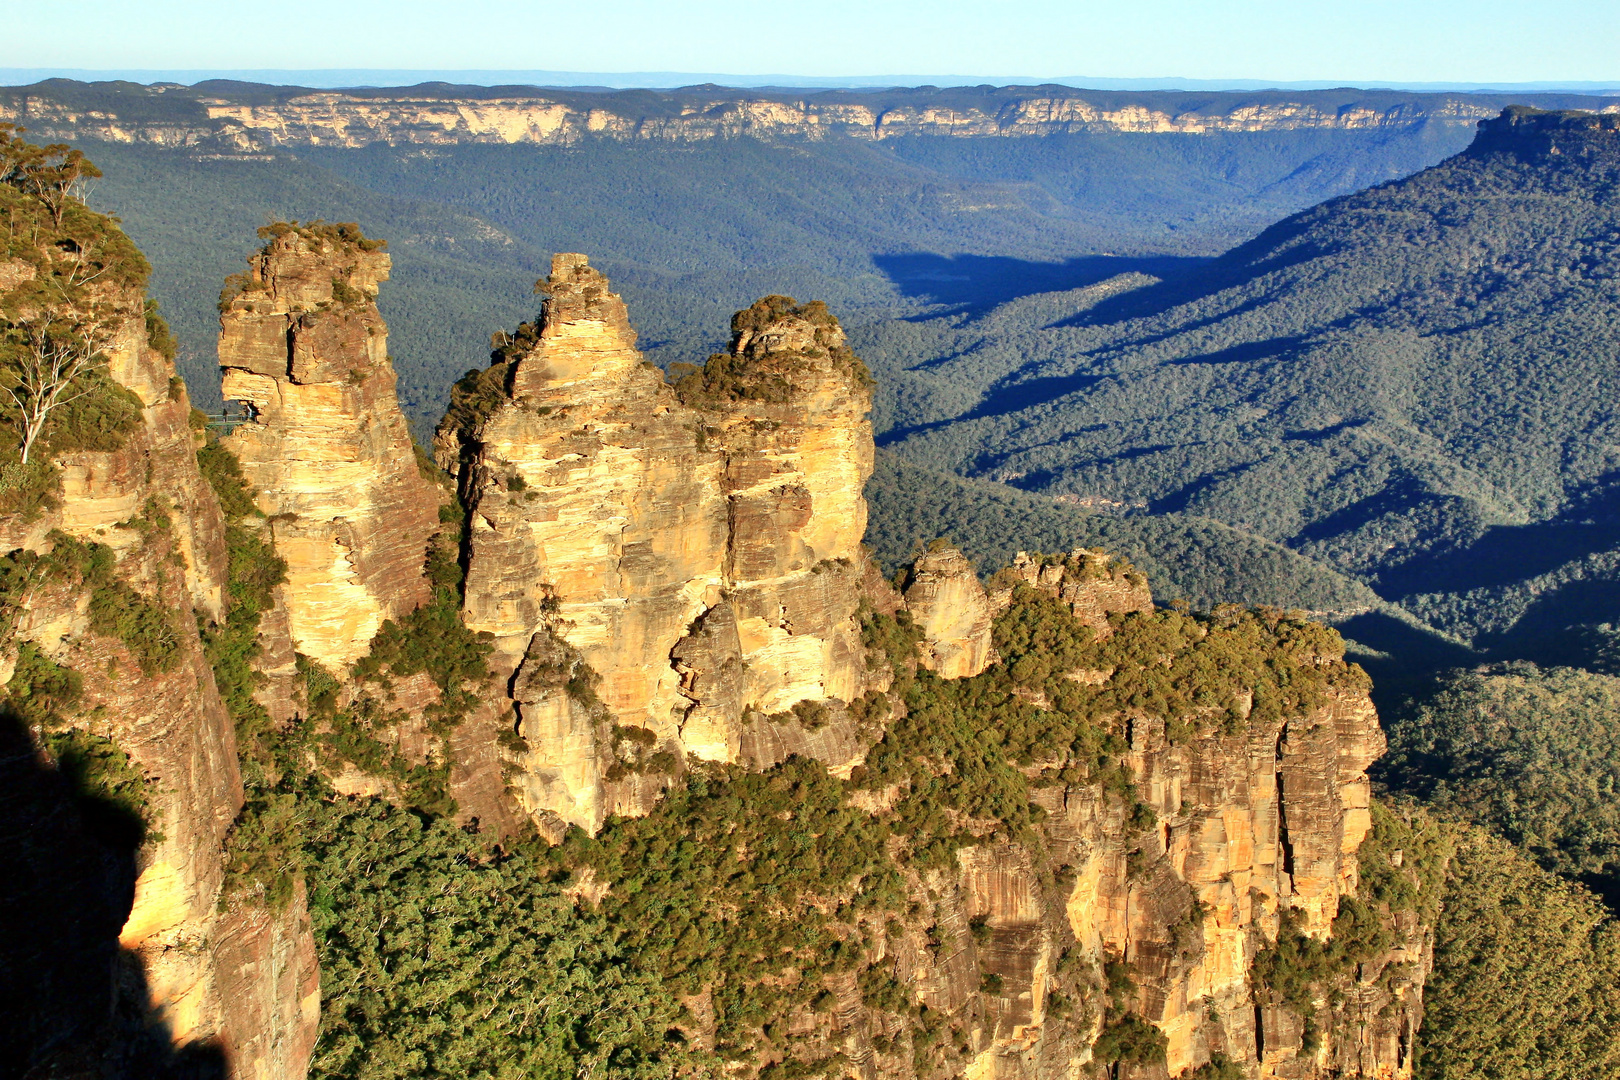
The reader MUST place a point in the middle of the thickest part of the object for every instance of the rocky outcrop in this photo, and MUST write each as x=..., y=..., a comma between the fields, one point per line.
x=327, y=454
x=698, y=548
x=1163, y=892
x=221, y=122
x=947, y=602
x=1093, y=583
x=125, y=624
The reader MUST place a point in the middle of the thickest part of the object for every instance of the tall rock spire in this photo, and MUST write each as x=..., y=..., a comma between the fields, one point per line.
x=697, y=545
x=327, y=454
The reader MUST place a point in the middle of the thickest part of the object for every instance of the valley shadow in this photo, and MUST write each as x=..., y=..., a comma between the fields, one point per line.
x=1547, y=631
x=1401, y=495
x=1000, y=400
x=1404, y=656
x=977, y=283
x=1270, y=252
x=1605, y=886
x=75, y=1003
x=1508, y=553
x=1244, y=353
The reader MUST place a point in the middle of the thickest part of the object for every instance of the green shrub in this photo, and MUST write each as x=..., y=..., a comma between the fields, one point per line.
x=158, y=334
x=1296, y=970
x=117, y=609
x=1130, y=1039
x=111, y=791
x=728, y=378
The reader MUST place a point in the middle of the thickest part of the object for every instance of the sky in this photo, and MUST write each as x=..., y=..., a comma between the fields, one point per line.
x=1376, y=42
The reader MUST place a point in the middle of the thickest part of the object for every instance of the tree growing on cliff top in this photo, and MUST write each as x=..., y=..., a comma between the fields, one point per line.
x=54, y=174
x=66, y=277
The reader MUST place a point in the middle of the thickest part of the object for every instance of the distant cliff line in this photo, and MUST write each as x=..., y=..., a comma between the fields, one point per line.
x=246, y=117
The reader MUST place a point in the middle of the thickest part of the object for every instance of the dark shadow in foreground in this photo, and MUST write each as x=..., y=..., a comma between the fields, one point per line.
x=75, y=1003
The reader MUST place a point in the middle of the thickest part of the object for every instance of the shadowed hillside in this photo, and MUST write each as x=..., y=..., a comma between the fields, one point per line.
x=1413, y=384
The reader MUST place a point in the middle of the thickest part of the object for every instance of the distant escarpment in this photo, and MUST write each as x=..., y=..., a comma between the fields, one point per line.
x=237, y=117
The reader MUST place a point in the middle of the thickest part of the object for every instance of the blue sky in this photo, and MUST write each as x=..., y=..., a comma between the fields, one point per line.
x=1388, y=41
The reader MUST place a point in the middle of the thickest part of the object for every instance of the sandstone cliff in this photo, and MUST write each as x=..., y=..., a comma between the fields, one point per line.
x=327, y=454
x=103, y=595
x=220, y=121
x=945, y=598
x=699, y=552
x=1143, y=927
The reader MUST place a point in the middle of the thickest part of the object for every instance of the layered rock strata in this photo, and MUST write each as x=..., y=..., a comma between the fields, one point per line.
x=241, y=978
x=327, y=453
x=221, y=122
x=1226, y=839
x=699, y=551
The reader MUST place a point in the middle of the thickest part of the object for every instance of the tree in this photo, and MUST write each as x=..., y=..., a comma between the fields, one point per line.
x=54, y=174
x=53, y=367
x=58, y=320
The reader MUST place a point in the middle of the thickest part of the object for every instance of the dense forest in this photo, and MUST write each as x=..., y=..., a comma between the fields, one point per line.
x=1413, y=384
x=691, y=232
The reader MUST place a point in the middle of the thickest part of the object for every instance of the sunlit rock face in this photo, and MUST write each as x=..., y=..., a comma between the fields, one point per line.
x=947, y=601
x=699, y=550
x=328, y=454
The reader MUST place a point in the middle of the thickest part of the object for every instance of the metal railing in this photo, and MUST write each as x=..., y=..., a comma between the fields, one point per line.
x=228, y=420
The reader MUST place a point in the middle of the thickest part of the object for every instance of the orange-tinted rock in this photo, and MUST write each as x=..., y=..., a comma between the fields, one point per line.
x=946, y=600
x=328, y=454
x=701, y=556
x=203, y=973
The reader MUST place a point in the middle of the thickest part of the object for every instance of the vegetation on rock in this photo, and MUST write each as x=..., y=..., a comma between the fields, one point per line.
x=762, y=375
x=112, y=792
x=67, y=275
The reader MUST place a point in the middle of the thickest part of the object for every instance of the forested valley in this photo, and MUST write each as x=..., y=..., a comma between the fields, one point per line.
x=1393, y=412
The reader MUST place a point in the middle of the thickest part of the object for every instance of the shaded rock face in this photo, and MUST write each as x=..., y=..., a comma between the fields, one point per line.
x=701, y=556
x=205, y=975
x=328, y=454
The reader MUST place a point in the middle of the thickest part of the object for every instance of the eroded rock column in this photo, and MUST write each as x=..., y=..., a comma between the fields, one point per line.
x=328, y=454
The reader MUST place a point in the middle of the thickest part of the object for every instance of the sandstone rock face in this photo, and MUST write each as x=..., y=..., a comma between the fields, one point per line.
x=947, y=601
x=1245, y=826
x=208, y=975
x=328, y=454
x=702, y=557
x=334, y=118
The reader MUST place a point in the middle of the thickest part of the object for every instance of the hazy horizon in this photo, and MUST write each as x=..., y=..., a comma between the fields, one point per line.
x=342, y=78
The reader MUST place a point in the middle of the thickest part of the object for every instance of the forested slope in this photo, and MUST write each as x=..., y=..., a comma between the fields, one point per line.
x=693, y=231
x=1185, y=558
x=1414, y=384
